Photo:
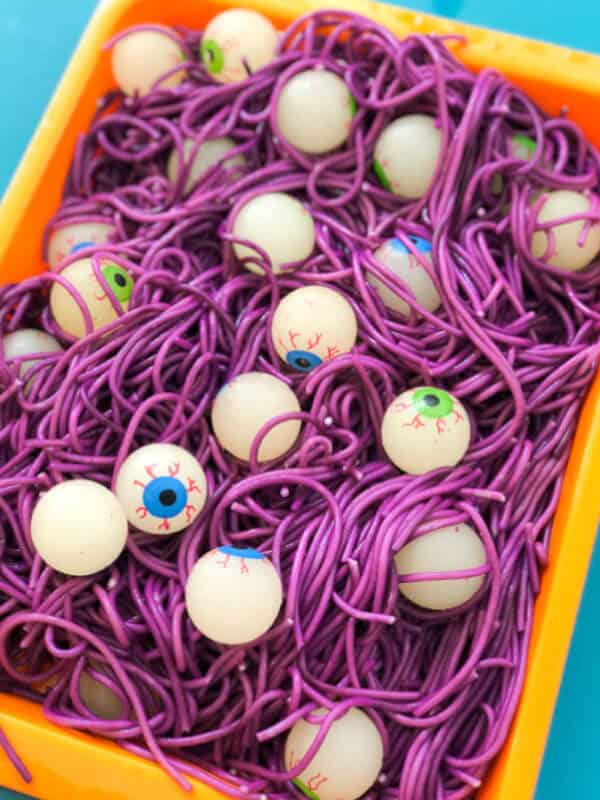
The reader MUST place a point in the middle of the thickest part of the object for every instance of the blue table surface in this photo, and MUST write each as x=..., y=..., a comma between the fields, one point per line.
x=39, y=36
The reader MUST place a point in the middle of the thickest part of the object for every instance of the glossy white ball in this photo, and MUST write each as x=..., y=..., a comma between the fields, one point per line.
x=237, y=43
x=312, y=325
x=233, y=595
x=445, y=550
x=98, y=698
x=68, y=239
x=315, y=111
x=425, y=428
x=210, y=153
x=26, y=342
x=278, y=224
x=402, y=263
x=247, y=403
x=566, y=251
x=81, y=276
x=348, y=762
x=142, y=57
x=162, y=488
x=78, y=527
x=407, y=154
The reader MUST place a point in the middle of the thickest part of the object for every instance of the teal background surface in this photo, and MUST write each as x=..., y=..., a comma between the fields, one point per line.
x=37, y=37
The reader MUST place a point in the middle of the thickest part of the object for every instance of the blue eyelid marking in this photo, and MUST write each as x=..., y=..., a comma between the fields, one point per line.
x=240, y=552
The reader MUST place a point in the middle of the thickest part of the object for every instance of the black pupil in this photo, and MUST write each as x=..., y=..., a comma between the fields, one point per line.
x=431, y=400
x=167, y=497
x=211, y=54
x=304, y=363
x=120, y=279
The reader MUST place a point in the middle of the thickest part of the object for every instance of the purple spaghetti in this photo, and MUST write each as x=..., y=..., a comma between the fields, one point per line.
x=515, y=340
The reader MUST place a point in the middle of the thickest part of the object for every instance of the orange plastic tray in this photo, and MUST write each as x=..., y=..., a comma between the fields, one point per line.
x=70, y=765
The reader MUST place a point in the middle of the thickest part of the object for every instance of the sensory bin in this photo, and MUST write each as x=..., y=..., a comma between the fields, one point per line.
x=284, y=427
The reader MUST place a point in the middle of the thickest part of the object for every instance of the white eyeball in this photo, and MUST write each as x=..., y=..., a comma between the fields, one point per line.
x=280, y=225
x=315, y=111
x=425, y=428
x=99, y=699
x=162, y=488
x=567, y=251
x=247, y=403
x=312, y=325
x=82, y=278
x=69, y=239
x=237, y=43
x=28, y=341
x=233, y=596
x=208, y=155
x=142, y=57
x=407, y=153
x=402, y=263
x=451, y=549
x=348, y=762
x=78, y=527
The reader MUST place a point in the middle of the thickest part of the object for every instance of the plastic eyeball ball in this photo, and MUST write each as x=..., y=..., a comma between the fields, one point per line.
x=424, y=429
x=278, y=224
x=567, y=252
x=28, y=341
x=233, y=596
x=78, y=527
x=348, y=762
x=312, y=325
x=162, y=488
x=522, y=147
x=451, y=549
x=406, y=266
x=208, y=155
x=407, y=153
x=237, y=43
x=245, y=405
x=142, y=57
x=83, y=279
x=69, y=239
x=99, y=699
x=315, y=111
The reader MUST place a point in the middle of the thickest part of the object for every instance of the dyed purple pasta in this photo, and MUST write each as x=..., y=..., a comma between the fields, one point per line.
x=515, y=340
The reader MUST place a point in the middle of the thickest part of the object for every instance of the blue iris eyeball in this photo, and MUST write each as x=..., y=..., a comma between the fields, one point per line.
x=81, y=246
x=422, y=245
x=165, y=497
x=302, y=360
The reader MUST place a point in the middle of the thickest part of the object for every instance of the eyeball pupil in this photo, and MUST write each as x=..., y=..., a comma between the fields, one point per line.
x=120, y=279
x=303, y=362
x=167, y=497
x=431, y=400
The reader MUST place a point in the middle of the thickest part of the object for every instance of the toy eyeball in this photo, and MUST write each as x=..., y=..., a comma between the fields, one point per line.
x=570, y=246
x=315, y=111
x=236, y=44
x=312, y=325
x=522, y=147
x=72, y=238
x=245, y=405
x=407, y=153
x=28, y=341
x=278, y=224
x=451, y=549
x=142, y=57
x=406, y=266
x=99, y=699
x=424, y=429
x=78, y=527
x=348, y=762
x=233, y=595
x=209, y=154
x=162, y=488
x=83, y=279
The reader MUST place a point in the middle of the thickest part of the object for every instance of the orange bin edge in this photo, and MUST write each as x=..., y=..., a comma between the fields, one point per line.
x=66, y=764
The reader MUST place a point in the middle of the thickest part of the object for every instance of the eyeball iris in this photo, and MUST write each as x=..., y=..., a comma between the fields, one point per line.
x=119, y=281
x=165, y=497
x=81, y=246
x=302, y=360
x=213, y=57
x=383, y=178
x=432, y=403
